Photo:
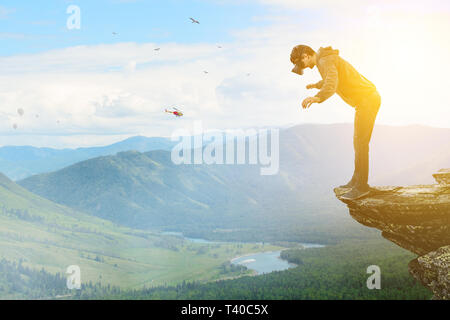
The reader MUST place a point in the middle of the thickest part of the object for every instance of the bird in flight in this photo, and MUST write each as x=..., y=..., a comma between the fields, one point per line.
x=194, y=21
x=114, y=33
x=157, y=49
x=219, y=47
x=205, y=72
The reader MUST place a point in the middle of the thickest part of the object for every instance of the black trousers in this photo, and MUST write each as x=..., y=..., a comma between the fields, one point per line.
x=365, y=115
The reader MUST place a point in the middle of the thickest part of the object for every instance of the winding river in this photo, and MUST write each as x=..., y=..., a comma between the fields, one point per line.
x=261, y=262
x=269, y=261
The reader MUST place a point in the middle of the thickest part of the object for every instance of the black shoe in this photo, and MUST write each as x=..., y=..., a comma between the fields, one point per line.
x=355, y=194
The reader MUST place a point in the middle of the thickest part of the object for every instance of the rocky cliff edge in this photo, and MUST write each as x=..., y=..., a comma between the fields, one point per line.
x=416, y=218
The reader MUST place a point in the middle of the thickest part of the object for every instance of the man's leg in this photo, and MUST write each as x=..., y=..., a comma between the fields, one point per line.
x=364, y=122
x=365, y=117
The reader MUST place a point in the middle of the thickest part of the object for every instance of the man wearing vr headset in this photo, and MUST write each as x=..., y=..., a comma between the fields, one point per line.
x=339, y=76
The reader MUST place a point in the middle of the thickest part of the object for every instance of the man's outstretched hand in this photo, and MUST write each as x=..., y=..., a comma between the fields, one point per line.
x=311, y=86
x=309, y=101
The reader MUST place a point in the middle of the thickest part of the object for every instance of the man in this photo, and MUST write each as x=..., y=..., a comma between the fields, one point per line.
x=338, y=76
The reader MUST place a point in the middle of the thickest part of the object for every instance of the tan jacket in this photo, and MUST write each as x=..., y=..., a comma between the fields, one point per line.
x=340, y=77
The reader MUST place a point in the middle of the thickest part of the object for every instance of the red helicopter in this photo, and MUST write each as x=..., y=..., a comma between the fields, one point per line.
x=175, y=112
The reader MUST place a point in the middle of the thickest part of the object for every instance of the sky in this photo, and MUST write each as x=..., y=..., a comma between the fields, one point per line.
x=105, y=81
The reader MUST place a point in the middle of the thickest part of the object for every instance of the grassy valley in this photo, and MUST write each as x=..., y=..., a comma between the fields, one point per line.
x=106, y=214
x=42, y=234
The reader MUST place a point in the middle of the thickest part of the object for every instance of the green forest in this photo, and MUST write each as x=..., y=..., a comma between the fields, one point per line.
x=333, y=272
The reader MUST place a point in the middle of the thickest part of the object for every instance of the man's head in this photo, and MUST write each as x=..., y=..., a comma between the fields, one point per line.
x=303, y=57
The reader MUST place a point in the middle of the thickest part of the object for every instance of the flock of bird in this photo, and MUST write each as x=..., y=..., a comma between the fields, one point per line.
x=175, y=111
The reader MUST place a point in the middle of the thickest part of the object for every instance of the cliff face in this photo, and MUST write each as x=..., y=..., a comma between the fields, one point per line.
x=432, y=270
x=416, y=218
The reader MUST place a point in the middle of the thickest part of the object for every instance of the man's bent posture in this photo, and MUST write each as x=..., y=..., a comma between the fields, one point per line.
x=340, y=77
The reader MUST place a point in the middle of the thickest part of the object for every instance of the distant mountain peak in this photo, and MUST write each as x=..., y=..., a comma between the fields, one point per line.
x=4, y=180
x=136, y=138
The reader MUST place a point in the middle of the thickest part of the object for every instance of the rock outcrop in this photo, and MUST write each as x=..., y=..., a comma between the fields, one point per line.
x=432, y=270
x=443, y=176
x=416, y=218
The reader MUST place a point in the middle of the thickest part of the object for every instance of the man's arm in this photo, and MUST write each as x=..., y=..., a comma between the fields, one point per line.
x=330, y=83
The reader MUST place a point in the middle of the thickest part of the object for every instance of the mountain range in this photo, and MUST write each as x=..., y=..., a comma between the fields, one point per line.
x=42, y=235
x=101, y=213
x=147, y=190
x=19, y=162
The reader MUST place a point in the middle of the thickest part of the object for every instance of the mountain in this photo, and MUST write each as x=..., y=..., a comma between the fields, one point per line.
x=408, y=155
x=47, y=235
x=147, y=190
x=398, y=155
x=19, y=162
x=39, y=234
x=83, y=214
x=389, y=146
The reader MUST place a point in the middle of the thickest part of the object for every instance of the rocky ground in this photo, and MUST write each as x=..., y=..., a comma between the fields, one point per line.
x=416, y=218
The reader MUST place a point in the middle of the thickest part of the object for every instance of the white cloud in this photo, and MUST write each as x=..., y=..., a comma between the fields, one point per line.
x=122, y=89
x=5, y=12
x=11, y=35
x=349, y=6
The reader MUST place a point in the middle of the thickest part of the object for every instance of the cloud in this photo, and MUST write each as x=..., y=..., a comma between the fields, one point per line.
x=350, y=5
x=11, y=35
x=5, y=12
x=99, y=58
x=122, y=89
x=121, y=106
